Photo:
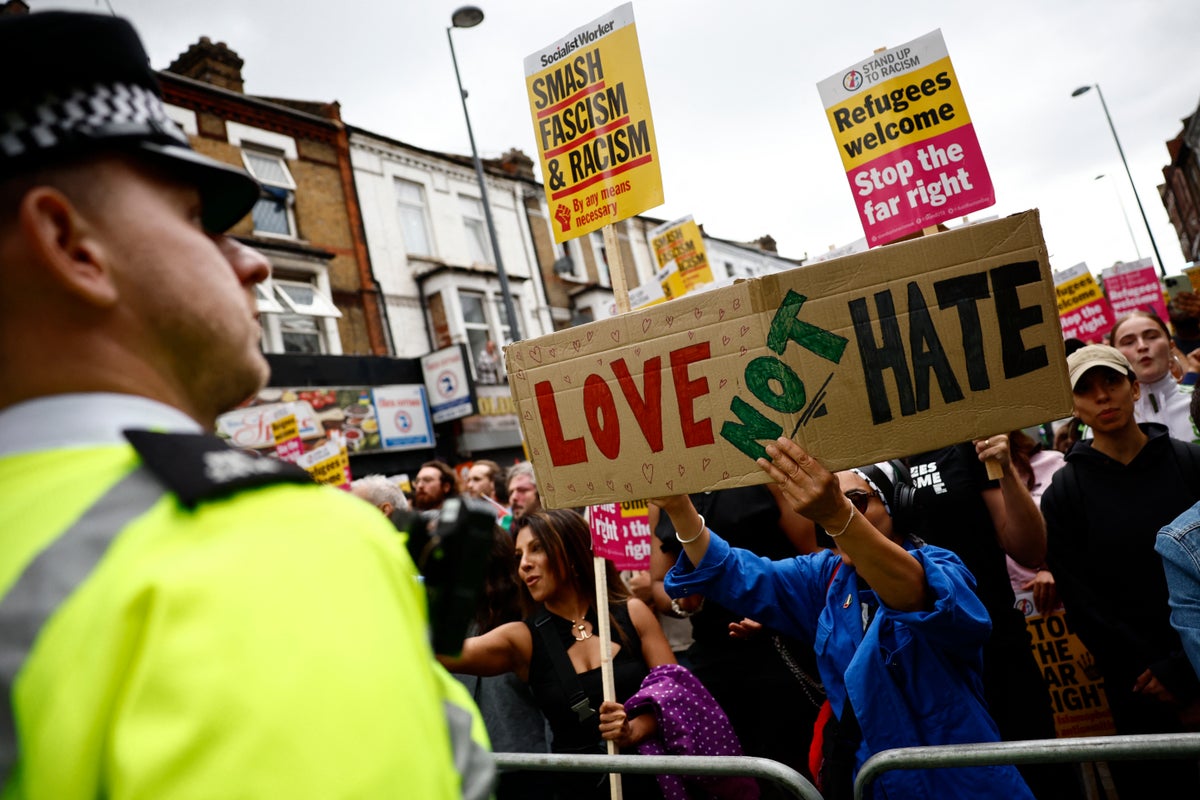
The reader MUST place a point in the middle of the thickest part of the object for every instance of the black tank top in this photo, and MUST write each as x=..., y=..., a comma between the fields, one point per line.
x=629, y=669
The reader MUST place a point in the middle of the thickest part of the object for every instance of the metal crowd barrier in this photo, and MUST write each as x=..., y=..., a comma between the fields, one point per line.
x=1032, y=751
x=749, y=766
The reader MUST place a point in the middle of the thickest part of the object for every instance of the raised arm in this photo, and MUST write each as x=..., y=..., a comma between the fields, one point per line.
x=507, y=648
x=897, y=578
x=1020, y=528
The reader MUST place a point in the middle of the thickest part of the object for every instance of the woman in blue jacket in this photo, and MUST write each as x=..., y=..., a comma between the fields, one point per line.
x=895, y=624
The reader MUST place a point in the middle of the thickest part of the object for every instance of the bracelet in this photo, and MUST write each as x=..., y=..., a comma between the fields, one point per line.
x=833, y=535
x=703, y=526
x=678, y=610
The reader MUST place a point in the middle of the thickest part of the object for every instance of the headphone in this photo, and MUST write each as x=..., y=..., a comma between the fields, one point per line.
x=898, y=492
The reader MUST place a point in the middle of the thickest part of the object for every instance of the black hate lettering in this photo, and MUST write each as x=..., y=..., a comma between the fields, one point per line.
x=964, y=293
x=877, y=358
x=927, y=352
x=1014, y=318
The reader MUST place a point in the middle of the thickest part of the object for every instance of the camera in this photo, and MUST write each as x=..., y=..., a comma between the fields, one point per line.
x=451, y=551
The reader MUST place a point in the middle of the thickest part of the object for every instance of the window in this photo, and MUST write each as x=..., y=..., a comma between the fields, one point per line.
x=568, y=262
x=272, y=213
x=475, y=324
x=502, y=325
x=264, y=297
x=300, y=335
x=478, y=245
x=298, y=316
x=601, y=253
x=482, y=327
x=410, y=204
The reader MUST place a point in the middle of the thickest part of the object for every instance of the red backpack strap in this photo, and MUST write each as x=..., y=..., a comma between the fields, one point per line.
x=816, y=751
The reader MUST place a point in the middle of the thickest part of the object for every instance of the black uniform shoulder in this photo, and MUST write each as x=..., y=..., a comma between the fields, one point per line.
x=199, y=467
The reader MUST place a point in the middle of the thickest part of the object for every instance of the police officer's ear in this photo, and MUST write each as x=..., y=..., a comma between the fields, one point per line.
x=62, y=243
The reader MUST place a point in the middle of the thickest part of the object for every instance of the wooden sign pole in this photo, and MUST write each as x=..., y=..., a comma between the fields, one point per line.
x=616, y=274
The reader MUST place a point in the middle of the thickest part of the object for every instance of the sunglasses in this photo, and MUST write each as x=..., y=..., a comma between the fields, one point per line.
x=860, y=498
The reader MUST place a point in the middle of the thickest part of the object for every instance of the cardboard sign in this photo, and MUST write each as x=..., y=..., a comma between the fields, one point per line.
x=1134, y=287
x=621, y=533
x=591, y=120
x=1075, y=685
x=906, y=140
x=679, y=249
x=859, y=359
x=1084, y=312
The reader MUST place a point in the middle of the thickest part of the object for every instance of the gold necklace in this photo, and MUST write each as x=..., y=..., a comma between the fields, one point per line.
x=579, y=626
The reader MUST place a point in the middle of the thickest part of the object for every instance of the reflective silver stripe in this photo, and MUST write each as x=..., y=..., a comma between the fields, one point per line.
x=51, y=577
x=473, y=763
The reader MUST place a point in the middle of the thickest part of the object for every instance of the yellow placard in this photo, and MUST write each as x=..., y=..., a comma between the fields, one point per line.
x=1076, y=292
x=329, y=463
x=1076, y=688
x=285, y=428
x=680, y=246
x=898, y=113
x=591, y=120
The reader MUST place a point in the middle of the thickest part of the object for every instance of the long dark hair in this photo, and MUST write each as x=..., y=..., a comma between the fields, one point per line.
x=501, y=600
x=567, y=541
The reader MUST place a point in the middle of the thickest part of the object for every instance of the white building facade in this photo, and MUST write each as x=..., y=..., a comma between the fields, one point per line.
x=431, y=253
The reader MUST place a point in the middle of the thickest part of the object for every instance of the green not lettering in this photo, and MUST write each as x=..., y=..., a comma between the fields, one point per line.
x=753, y=428
x=786, y=326
x=762, y=371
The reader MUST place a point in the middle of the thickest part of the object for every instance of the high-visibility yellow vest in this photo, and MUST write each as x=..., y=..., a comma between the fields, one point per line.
x=215, y=639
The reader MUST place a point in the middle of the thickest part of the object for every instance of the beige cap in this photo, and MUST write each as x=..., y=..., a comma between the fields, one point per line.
x=1097, y=355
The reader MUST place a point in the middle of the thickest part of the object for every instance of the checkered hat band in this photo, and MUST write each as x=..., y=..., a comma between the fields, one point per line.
x=105, y=111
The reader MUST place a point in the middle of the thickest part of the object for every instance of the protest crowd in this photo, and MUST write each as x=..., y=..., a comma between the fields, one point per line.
x=179, y=618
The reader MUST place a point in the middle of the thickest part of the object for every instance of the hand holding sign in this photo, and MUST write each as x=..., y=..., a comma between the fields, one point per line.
x=813, y=491
x=993, y=452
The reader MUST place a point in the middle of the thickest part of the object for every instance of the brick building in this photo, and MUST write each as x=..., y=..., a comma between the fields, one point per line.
x=431, y=249
x=1181, y=190
x=322, y=298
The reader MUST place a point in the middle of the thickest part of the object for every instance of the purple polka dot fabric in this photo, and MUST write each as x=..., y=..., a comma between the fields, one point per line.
x=690, y=723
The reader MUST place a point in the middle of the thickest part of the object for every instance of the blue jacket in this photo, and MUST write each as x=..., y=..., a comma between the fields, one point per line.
x=914, y=678
x=1179, y=546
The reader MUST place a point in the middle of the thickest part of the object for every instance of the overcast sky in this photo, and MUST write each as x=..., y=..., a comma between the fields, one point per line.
x=745, y=147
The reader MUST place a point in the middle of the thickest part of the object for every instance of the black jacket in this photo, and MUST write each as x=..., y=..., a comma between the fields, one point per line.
x=1101, y=520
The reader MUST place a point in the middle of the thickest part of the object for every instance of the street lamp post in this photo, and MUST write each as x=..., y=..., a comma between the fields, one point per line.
x=1111, y=127
x=469, y=17
x=1124, y=214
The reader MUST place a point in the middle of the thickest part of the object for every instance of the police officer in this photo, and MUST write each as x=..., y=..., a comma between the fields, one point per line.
x=177, y=618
